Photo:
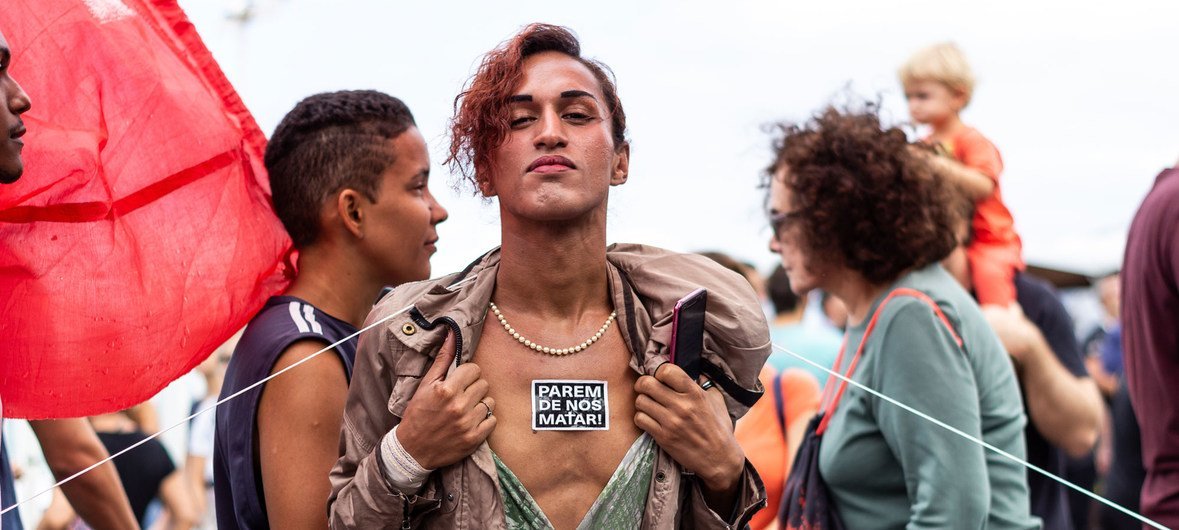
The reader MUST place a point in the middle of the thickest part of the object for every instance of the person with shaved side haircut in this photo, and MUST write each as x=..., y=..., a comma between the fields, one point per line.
x=350, y=172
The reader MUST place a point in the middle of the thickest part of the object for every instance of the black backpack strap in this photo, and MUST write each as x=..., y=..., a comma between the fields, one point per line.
x=743, y=395
x=780, y=404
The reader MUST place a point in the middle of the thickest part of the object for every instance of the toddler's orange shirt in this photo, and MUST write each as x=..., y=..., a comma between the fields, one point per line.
x=992, y=224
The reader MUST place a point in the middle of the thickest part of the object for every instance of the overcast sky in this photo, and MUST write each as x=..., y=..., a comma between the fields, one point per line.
x=1079, y=96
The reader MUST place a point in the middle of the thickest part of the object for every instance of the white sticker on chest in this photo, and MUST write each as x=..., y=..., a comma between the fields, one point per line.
x=570, y=405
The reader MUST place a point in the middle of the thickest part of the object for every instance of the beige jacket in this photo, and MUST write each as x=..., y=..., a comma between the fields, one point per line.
x=645, y=283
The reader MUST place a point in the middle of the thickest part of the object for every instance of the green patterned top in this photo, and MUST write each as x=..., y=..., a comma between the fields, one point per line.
x=619, y=506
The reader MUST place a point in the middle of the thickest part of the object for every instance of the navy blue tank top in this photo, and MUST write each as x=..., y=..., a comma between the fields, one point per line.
x=237, y=470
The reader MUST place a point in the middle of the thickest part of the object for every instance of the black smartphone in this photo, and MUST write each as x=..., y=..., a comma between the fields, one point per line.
x=687, y=332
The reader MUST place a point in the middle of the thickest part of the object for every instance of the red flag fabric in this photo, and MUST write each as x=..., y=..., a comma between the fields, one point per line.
x=141, y=235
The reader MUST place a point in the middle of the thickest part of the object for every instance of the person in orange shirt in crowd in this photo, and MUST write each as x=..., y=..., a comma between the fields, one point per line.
x=938, y=84
x=772, y=430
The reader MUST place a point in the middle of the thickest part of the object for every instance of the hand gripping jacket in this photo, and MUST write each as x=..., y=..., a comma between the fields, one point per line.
x=644, y=285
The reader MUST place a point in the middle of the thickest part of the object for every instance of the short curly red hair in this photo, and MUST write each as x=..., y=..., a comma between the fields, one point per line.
x=481, y=111
x=865, y=198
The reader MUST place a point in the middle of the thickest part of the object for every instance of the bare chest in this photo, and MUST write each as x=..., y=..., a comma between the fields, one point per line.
x=564, y=470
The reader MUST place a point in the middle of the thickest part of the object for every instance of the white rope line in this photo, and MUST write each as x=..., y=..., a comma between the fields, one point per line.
x=210, y=407
x=954, y=430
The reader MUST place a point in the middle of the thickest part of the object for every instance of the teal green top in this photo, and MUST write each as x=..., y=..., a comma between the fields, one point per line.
x=619, y=507
x=888, y=468
x=817, y=343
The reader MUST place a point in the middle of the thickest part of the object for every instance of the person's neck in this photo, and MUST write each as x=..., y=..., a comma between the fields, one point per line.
x=336, y=283
x=554, y=270
x=857, y=294
x=947, y=128
x=790, y=318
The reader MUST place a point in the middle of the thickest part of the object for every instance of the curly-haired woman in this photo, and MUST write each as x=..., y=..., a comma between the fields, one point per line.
x=857, y=213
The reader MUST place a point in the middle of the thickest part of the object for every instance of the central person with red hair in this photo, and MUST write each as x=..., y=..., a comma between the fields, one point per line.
x=532, y=389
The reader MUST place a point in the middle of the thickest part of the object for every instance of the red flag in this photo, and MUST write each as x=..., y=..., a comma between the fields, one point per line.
x=141, y=235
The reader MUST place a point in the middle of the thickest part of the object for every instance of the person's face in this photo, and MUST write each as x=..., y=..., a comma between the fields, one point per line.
x=931, y=102
x=16, y=102
x=1110, y=291
x=559, y=159
x=398, y=229
x=786, y=240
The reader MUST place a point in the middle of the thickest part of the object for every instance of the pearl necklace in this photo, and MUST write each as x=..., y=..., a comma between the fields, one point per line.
x=545, y=349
